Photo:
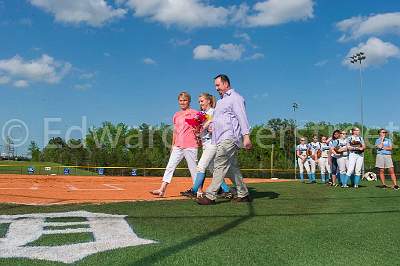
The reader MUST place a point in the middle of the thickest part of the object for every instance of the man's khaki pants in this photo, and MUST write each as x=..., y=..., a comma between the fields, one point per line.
x=225, y=160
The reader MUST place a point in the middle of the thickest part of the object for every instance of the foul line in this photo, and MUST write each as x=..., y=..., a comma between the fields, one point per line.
x=34, y=187
x=110, y=188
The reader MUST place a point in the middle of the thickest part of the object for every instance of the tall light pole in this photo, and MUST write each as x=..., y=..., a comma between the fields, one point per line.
x=295, y=106
x=354, y=59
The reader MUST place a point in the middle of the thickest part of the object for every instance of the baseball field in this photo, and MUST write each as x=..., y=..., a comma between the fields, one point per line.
x=288, y=223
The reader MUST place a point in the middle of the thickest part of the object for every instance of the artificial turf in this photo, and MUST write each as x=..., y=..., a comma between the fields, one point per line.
x=286, y=224
x=62, y=239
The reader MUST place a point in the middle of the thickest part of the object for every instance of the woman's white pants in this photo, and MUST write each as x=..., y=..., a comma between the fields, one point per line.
x=177, y=154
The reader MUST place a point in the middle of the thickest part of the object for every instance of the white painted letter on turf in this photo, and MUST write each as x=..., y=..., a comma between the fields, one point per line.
x=109, y=232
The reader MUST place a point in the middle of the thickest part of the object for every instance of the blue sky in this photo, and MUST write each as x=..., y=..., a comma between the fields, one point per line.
x=126, y=60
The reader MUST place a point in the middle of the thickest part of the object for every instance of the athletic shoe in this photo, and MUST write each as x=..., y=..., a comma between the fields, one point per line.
x=396, y=187
x=383, y=186
x=189, y=193
x=355, y=186
x=226, y=195
x=243, y=199
x=205, y=201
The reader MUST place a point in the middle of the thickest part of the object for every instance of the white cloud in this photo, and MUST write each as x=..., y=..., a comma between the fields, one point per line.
x=4, y=80
x=376, y=51
x=92, y=12
x=198, y=13
x=149, y=61
x=178, y=42
x=184, y=13
x=244, y=36
x=43, y=69
x=21, y=83
x=321, y=63
x=261, y=96
x=379, y=24
x=87, y=75
x=275, y=12
x=228, y=51
x=83, y=87
x=255, y=56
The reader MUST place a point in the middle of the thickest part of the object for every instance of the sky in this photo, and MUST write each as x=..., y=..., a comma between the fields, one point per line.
x=68, y=64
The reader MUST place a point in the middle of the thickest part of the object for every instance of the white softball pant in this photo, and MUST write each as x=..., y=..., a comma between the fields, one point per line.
x=207, y=158
x=307, y=165
x=176, y=157
x=356, y=162
x=342, y=164
x=324, y=165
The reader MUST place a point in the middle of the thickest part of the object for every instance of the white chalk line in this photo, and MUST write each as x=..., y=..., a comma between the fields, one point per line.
x=110, y=188
x=33, y=187
x=64, y=223
x=67, y=231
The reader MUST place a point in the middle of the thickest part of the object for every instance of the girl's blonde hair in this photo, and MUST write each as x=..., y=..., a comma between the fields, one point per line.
x=186, y=95
x=209, y=97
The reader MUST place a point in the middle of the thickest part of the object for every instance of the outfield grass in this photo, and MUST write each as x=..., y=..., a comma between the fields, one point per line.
x=286, y=224
x=66, y=239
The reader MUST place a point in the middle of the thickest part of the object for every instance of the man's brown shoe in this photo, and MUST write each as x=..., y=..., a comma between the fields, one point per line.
x=243, y=199
x=205, y=201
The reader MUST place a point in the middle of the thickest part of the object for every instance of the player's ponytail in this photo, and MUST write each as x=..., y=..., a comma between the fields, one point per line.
x=210, y=98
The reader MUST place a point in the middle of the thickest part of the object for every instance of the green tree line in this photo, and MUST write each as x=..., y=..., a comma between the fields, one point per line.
x=149, y=146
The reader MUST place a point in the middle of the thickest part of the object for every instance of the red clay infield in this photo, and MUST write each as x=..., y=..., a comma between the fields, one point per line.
x=48, y=190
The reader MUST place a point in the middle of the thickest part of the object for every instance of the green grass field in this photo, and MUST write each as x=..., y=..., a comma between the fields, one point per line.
x=286, y=224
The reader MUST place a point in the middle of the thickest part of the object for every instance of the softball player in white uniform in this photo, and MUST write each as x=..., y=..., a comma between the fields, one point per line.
x=343, y=159
x=356, y=147
x=341, y=154
x=314, y=146
x=323, y=161
x=302, y=159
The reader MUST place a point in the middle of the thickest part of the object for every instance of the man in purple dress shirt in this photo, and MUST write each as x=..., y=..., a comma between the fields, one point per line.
x=230, y=131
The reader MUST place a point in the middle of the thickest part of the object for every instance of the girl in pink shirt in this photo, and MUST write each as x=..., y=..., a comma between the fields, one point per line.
x=184, y=143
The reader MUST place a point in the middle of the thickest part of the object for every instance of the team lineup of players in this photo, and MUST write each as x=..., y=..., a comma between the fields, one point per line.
x=340, y=158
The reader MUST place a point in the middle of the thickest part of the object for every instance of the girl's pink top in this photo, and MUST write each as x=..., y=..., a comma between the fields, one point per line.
x=183, y=133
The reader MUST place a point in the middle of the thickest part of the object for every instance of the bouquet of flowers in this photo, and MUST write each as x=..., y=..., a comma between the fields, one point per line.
x=197, y=123
x=198, y=120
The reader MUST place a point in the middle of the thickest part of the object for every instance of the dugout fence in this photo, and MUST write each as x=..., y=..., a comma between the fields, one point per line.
x=87, y=170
